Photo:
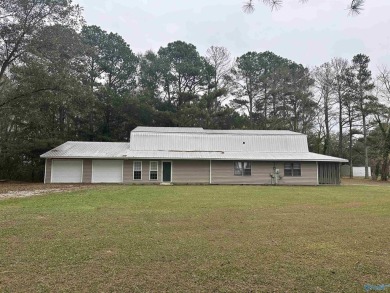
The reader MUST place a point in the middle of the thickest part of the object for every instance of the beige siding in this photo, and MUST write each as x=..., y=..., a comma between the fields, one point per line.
x=222, y=172
x=308, y=174
x=128, y=172
x=184, y=171
x=48, y=171
x=87, y=171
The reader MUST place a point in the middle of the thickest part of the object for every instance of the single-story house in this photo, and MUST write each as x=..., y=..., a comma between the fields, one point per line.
x=193, y=156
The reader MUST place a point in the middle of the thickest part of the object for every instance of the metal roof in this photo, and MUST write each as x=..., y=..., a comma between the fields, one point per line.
x=211, y=131
x=167, y=129
x=218, y=140
x=81, y=149
x=251, y=156
x=197, y=144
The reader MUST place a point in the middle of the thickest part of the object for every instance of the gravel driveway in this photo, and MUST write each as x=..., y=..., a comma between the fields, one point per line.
x=15, y=189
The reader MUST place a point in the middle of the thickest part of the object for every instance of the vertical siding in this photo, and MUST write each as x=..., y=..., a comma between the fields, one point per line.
x=87, y=171
x=48, y=171
x=308, y=174
x=185, y=171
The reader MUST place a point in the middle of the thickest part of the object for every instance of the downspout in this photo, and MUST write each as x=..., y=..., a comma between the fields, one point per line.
x=210, y=173
x=44, y=177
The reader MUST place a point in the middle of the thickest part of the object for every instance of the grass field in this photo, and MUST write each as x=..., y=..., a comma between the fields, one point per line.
x=197, y=238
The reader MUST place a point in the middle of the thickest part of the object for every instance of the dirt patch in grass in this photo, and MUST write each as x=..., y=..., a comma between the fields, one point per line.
x=17, y=189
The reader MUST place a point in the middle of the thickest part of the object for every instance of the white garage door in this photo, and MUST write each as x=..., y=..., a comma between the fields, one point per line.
x=67, y=171
x=107, y=171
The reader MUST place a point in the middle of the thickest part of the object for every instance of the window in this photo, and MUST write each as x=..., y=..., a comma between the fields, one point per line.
x=292, y=169
x=242, y=168
x=137, y=170
x=153, y=169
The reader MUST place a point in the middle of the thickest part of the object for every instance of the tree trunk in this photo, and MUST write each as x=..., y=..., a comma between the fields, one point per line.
x=350, y=147
x=385, y=166
x=327, y=131
x=340, y=126
x=365, y=148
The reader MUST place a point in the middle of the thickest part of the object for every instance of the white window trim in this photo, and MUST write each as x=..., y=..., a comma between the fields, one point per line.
x=137, y=170
x=150, y=169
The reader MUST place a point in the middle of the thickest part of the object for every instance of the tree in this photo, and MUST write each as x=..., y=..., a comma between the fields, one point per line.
x=220, y=60
x=112, y=76
x=355, y=6
x=21, y=21
x=182, y=71
x=324, y=81
x=382, y=119
x=340, y=66
x=246, y=72
x=54, y=61
x=364, y=101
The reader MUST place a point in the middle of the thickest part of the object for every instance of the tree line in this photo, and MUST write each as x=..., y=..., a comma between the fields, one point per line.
x=61, y=79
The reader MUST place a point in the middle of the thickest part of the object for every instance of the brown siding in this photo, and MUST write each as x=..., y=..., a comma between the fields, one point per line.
x=48, y=171
x=87, y=171
x=308, y=174
x=184, y=171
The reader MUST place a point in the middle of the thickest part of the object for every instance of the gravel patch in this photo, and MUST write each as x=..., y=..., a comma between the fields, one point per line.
x=18, y=190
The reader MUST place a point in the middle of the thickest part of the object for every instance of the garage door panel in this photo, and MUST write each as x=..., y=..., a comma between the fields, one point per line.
x=67, y=171
x=107, y=171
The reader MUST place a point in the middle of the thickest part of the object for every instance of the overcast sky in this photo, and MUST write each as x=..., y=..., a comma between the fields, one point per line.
x=310, y=33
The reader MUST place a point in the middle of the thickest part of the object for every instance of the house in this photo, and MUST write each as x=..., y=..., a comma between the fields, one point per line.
x=193, y=156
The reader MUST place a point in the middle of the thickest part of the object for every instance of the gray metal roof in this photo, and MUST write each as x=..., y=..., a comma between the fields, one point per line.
x=81, y=149
x=197, y=143
x=252, y=156
x=167, y=129
x=211, y=131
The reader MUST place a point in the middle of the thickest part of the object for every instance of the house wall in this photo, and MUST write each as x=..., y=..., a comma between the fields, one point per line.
x=188, y=171
x=48, y=171
x=183, y=171
x=222, y=172
x=87, y=171
x=128, y=172
x=308, y=174
x=191, y=171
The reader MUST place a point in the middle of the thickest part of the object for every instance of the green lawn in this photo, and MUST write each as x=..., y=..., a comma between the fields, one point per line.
x=197, y=238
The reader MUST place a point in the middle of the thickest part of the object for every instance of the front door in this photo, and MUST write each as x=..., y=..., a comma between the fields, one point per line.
x=167, y=169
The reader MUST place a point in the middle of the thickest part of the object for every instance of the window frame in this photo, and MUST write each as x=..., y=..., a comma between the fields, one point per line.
x=242, y=169
x=134, y=162
x=295, y=172
x=150, y=170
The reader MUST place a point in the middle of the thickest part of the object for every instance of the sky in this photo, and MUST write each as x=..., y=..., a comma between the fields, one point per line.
x=310, y=33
